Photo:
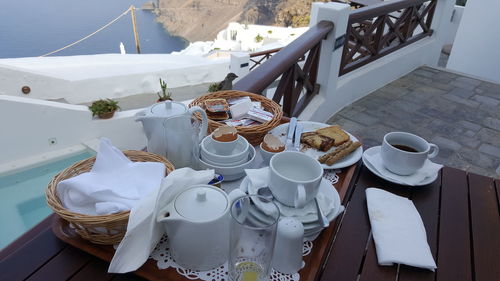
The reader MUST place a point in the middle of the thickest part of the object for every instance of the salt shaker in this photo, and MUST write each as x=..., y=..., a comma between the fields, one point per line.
x=287, y=256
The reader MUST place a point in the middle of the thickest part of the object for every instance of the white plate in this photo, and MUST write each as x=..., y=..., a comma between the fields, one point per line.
x=310, y=126
x=376, y=150
x=329, y=203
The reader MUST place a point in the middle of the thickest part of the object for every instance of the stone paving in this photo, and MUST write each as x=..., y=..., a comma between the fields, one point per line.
x=459, y=114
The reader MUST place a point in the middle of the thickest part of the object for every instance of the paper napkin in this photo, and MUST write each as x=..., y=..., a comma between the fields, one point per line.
x=398, y=230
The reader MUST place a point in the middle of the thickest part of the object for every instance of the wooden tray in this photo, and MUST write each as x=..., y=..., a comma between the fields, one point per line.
x=314, y=262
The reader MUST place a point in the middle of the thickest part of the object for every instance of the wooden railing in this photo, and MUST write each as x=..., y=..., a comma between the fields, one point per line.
x=377, y=30
x=297, y=85
x=259, y=58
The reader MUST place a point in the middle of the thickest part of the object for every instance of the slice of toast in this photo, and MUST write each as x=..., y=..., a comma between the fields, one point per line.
x=317, y=141
x=335, y=133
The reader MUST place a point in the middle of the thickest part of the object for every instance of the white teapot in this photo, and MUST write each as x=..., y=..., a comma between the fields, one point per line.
x=177, y=116
x=197, y=225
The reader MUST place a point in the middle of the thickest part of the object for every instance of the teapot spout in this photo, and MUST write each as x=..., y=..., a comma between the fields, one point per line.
x=140, y=116
x=170, y=219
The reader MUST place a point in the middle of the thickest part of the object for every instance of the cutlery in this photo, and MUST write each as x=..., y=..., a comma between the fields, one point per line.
x=298, y=134
x=265, y=192
x=321, y=217
x=291, y=130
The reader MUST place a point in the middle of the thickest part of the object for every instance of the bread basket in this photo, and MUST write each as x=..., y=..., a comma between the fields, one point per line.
x=105, y=229
x=254, y=134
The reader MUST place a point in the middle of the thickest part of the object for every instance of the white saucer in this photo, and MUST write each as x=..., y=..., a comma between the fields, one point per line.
x=328, y=199
x=309, y=126
x=376, y=150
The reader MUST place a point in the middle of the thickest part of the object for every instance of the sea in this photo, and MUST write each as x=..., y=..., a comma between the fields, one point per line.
x=31, y=28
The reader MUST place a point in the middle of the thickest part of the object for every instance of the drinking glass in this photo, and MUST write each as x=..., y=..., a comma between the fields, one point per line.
x=254, y=221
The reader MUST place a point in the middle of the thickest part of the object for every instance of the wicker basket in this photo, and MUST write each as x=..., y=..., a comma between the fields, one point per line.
x=254, y=134
x=106, y=229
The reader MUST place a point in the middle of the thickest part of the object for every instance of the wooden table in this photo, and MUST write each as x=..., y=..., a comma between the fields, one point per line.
x=460, y=212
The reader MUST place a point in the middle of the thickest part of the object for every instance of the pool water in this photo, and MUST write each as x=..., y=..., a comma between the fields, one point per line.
x=22, y=197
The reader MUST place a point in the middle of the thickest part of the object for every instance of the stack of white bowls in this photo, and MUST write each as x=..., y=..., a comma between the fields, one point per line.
x=231, y=164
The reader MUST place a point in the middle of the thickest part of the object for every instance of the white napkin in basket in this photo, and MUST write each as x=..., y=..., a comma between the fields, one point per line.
x=114, y=184
x=143, y=232
x=398, y=230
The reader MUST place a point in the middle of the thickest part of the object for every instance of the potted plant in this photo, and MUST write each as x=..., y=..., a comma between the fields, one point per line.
x=105, y=109
x=164, y=95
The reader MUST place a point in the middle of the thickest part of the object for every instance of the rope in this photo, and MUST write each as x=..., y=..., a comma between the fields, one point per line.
x=90, y=35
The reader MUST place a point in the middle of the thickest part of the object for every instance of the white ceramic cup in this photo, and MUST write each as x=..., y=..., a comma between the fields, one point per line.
x=266, y=155
x=224, y=147
x=295, y=178
x=405, y=162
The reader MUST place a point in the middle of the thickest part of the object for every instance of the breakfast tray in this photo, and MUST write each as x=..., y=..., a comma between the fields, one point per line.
x=313, y=262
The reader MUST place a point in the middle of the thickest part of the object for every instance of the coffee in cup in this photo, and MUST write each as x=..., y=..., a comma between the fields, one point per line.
x=295, y=178
x=404, y=153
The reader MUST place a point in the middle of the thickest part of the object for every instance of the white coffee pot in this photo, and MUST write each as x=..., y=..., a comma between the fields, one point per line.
x=197, y=226
x=154, y=117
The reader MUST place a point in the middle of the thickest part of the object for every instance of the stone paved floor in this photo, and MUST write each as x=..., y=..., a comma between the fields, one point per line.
x=459, y=114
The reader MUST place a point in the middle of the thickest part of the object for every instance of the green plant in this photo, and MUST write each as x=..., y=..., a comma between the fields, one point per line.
x=164, y=95
x=270, y=31
x=103, y=106
x=214, y=87
x=258, y=38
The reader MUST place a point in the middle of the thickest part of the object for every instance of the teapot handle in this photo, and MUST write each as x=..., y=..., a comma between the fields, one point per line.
x=204, y=120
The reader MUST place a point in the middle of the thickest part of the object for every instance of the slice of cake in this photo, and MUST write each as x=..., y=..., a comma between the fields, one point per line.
x=317, y=141
x=335, y=133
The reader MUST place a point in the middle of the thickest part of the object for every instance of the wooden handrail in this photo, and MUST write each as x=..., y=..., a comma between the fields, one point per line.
x=258, y=80
x=266, y=52
x=382, y=8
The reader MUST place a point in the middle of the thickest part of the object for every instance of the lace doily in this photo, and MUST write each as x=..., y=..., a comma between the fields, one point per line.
x=331, y=175
x=164, y=260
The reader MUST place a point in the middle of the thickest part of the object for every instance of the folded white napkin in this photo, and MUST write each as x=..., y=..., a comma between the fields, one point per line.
x=430, y=168
x=114, y=184
x=398, y=230
x=143, y=231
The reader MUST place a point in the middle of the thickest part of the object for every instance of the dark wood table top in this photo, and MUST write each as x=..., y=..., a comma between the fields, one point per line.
x=460, y=212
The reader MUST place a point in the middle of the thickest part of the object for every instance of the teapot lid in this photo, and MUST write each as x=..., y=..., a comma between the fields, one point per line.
x=168, y=109
x=201, y=203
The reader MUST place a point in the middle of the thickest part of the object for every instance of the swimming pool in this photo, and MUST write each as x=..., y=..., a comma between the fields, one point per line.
x=22, y=197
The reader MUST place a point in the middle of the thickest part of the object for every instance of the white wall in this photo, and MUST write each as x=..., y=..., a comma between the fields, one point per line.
x=477, y=44
x=27, y=126
x=456, y=17
x=81, y=79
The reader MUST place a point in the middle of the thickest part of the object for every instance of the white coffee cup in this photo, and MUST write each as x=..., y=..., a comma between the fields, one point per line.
x=295, y=178
x=404, y=153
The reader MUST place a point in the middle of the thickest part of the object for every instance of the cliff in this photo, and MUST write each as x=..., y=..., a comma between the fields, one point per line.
x=201, y=20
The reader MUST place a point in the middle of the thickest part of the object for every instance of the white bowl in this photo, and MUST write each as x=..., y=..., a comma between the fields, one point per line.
x=239, y=153
x=230, y=164
x=234, y=172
